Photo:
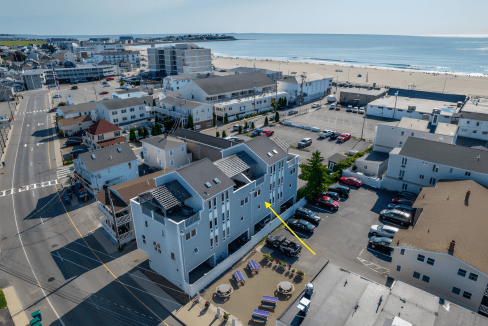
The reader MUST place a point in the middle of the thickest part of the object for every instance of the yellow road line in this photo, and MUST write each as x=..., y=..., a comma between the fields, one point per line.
x=268, y=205
x=48, y=155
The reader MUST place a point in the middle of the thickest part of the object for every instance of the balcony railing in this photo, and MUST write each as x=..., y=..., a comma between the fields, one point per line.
x=126, y=235
x=260, y=180
x=123, y=219
x=158, y=217
x=146, y=211
x=193, y=219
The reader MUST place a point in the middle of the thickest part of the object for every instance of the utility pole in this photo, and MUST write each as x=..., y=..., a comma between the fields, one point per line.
x=276, y=101
x=115, y=220
x=95, y=91
x=445, y=81
x=394, y=110
x=362, y=130
x=11, y=114
x=254, y=93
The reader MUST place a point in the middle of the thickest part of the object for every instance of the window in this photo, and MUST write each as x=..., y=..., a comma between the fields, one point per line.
x=467, y=173
x=123, y=111
x=131, y=109
x=114, y=112
x=228, y=231
x=223, y=217
x=162, y=233
x=124, y=119
x=400, y=144
x=116, y=120
x=182, y=149
x=432, y=181
x=195, y=250
x=426, y=279
x=130, y=165
x=403, y=133
x=399, y=268
x=450, y=171
x=404, y=161
x=116, y=133
x=404, y=186
x=215, y=201
x=242, y=202
x=467, y=295
x=242, y=218
x=223, y=234
x=216, y=239
x=210, y=224
x=211, y=242
x=402, y=251
x=170, y=152
x=461, y=272
x=467, y=122
x=473, y=277
x=430, y=261
x=132, y=116
x=259, y=206
x=143, y=238
x=100, y=137
x=171, y=162
x=456, y=290
x=421, y=258
x=421, y=176
x=98, y=175
x=246, y=200
x=141, y=115
x=416, y=275
x=173, y=256
x=227, y=195
x=435, y=168
x=210, y=204
x=146, y=223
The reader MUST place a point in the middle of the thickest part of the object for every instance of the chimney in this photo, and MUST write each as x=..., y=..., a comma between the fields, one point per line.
x=479, y=157
x=451, y=248
x=110, y=156
x=148, y=182
x=468, y=193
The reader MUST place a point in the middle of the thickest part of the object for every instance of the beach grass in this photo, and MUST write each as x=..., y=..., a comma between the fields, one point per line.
x=9, y=43
x=3, y=301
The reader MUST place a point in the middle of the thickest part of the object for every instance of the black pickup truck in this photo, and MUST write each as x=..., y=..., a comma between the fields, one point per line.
x=289, y=248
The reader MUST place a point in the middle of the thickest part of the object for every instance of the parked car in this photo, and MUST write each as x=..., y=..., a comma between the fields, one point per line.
x=404, y=201
x=292, y=112
x=327, y=202
x=305, y=142
x=383, y=231
x=302, y=225
x=234, y=139
x=110, y=78
x=338, y=107
x=103, y=93
x=267, y=132
x=53, y=110
x=105, y=82
x=343, y=191
x=351, y=181
x=256, y=132
x=355, y=109
x=307, y=215
x=76, y=138
x=349, y=108
x=361, y=110
x=142, y=154
x=74, y=87
x=382, y=242
x=331, y=194
x=236, y=127
x=72, y=142
x=343, y=137
x=401, y=207
x=57, y=95
x=76, y=152
x=334, y=135
x=325, y=133
x=106, y=85
x=315, y=105
x=396, y=216
x=408, y=195
x=332, y=106
x=287, y=247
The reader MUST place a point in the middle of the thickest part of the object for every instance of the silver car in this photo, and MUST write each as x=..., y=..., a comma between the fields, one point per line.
x=401, y=207
x=383, y=231
x=355, y=110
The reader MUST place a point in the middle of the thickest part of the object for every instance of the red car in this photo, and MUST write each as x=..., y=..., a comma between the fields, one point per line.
x=103, y=93
x=110, y=78
x=327, y=202
x=343, y=137
x=267, y=132
x=351, y=181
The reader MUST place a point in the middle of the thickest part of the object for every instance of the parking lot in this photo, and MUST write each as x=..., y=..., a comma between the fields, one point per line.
x=343, y=236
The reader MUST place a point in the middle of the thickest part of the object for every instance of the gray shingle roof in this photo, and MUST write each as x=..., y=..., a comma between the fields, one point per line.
x=225, y=84
x=200, y=172
x=464, y=158
x=235, y=164
x=336, y=158
x=188, y=104
x=262, y=146
x=163, y=143
x=472, y=116
x=108, y=157
x=202, y=138
x=78, y=108
x=118, y=103
x=126, y=91
x=170, y=194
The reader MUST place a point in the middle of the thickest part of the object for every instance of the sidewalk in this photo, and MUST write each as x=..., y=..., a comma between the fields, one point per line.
x=57, y=148
x=194, y=313
x=15, y=307
x=2, y=156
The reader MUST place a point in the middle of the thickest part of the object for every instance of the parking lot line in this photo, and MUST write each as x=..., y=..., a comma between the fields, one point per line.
x=374, y=267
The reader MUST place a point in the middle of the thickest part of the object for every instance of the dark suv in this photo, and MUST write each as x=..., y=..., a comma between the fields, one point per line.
x=396, y=216
x=343, y=191
x=308, y=215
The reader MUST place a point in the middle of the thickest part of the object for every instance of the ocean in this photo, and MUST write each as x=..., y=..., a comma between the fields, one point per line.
x=459, y=55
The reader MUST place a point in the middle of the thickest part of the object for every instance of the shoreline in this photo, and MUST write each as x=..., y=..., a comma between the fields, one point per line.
x=186, y=41
x=447, y=82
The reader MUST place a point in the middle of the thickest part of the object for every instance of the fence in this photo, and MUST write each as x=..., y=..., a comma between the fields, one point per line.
x=369, y=181
x=192, y=289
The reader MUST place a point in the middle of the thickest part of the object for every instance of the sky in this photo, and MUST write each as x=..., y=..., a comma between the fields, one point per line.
x=123, y=17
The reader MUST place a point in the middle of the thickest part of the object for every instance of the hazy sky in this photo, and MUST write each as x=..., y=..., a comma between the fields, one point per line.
x=107, y=17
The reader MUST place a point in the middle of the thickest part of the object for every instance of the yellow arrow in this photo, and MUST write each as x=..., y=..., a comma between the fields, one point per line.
x=268, y=205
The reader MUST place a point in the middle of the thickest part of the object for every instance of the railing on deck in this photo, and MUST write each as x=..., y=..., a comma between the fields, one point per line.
x=123, y=219
x=146, y=211
x=260, y=180
x=193, y=219
x=158, y=217
x=126, y=235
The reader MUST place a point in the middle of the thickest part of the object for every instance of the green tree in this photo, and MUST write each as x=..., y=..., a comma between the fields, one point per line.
x=226, y=118
x=217, y=134
x=266, y=121
x=132, y=135
x=246, y=125
x=277, y=117
x=139, y=132
x=214, y=121
x=252, y=125
x=160, y=129
x=122, y=83
x=285, y=102
x=156, y=119
x=146, y=132
x=240, y=129
x=153, y=130
x=316, y=175
x=280, y=102
x=237, y=117
x=154, y=102
x=224, y=134
x=190, y=122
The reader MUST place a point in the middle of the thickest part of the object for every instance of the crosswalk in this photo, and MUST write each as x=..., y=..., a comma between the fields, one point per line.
x=36, y=111
x=63, y=173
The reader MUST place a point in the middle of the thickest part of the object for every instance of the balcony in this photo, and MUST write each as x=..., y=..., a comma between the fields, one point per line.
x=123, y=219
x=176, y=214
x=126, y=235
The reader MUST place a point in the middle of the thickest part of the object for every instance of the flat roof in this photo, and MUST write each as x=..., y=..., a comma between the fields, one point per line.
x=362, y=91
x=446, y=129
x=334, y=301
x=414, y=124
x=422, y=105
x=205, y=139
x=233, y=83
x=374, y=156
x=442, y=128
x=447, y=216
x=476, y=106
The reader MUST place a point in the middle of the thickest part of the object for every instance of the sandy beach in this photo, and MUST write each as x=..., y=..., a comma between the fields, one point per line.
x=455, y=84
x=473, y=86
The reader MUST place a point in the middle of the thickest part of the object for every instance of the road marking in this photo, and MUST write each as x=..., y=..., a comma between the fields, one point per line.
x=25, y=145
x=29, y=187
x=62, y=173
x=374, y=267
x=40, y=144
x=93, y=303
x=40, y=123
x=59, y=256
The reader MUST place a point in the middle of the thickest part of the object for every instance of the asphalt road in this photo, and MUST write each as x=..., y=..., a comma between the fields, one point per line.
x=71, y=280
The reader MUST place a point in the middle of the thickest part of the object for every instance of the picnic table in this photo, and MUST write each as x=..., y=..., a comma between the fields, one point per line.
x=253, y=266
x=224, y=290
x=260, y=316
x=269, y=302
x=239, y=277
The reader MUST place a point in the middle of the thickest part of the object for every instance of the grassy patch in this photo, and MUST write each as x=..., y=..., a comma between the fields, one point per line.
x=3, y=301
x=264, y=239
x=300, y=149
x=9, y=43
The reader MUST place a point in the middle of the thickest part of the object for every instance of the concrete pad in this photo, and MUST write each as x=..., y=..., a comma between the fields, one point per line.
x=103, y=238
x=15, y=307
x=158, y=294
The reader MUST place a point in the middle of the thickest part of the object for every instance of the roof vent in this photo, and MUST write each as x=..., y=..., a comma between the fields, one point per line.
x=110, y=156
x=208, y=185
x=93, y=156
x=269, y=154
x=275, y=151
x=479, y=156
x=217, y=181
x=451, y=248
x=119, y=149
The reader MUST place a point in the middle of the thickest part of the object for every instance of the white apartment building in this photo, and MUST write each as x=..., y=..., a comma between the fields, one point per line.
x=173, y=83
x=65, y=55
x=127, y=93
x=309, y=87
x=90, y=47
x=105, y=167
x=422, y=163
x=82, y=72
x=178, y=59
x=114, y=57
x=102, y=134
x=134, y=112
x=34, y=78
x=389, y=135
x=165, y=152
x=181, y=109
x=443, y=253
x=199, y=218
x=473, y=125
